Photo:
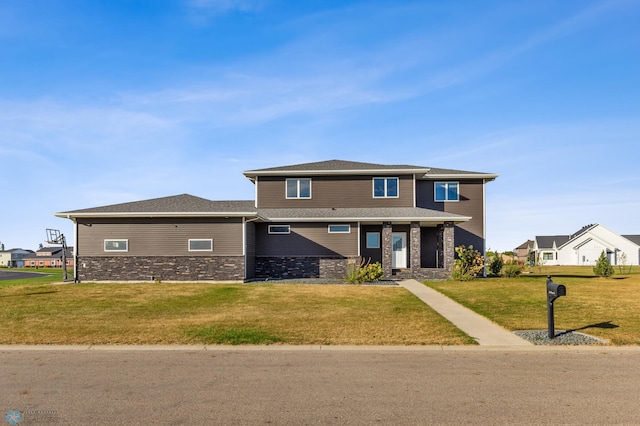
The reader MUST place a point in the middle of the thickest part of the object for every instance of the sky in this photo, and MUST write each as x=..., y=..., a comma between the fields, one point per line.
x=105, y=102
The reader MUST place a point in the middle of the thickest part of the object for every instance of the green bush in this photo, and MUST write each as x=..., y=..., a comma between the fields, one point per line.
x=603, y=267
x=468, y=264
x=495, y=265
x=512, y=269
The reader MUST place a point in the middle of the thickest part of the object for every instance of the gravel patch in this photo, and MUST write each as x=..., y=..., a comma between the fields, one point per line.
x=562, y=337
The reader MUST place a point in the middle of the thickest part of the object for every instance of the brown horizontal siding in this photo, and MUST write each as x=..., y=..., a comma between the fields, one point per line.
x=331, y=191
x=470, y=204
x=160, y=236
x=306, y=239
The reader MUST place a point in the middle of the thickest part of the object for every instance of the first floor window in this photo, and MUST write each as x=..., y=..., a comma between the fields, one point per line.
x=299, y=188
x=373, y=240
x=116, y=245
x=339, y=229
x=279, y=229
x=446, y=191
x=547, y=256
x=201, y=245
x=385, y=187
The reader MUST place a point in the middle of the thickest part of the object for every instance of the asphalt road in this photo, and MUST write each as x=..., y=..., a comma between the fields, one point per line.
x=296, y=386
x=18, y=275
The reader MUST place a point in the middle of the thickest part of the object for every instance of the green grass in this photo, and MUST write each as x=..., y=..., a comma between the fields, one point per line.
x=219, y=314
x=603, y=307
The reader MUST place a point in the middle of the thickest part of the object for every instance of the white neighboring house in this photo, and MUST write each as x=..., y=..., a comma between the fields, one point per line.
x=584, y=247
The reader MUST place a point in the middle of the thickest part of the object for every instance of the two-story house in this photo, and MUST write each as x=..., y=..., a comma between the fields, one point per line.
x=307, y=220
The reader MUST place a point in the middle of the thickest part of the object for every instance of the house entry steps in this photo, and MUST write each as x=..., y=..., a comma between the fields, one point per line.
x=478, y=327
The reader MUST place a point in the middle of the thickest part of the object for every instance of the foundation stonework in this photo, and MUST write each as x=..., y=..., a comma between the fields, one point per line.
x=163, y=268
x=286, y=267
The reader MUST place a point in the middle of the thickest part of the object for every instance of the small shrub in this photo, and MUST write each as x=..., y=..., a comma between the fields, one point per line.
x=495, y=265
x=603, y=267
x=512, y=269
x=468, y=264
x=364, y=271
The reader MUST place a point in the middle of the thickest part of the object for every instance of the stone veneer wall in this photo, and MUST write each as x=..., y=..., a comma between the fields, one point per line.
x=287, y=267
x=164, y=268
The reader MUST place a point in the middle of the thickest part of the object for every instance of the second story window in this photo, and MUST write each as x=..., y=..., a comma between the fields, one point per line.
x=446, y=191
x=385, y=187
x=298, y=188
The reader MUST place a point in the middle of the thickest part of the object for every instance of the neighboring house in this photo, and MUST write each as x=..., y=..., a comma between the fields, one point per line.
x=525, y=253
x=13, y=258
x=585, y=246
x=48, y=257
x=308, y=220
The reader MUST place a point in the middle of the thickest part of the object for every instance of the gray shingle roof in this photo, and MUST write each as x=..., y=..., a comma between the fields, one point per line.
x=381, y=213
x=633, y=238
x=179, y=204
x=546, y=241
x=335, y=165
x=353, y=167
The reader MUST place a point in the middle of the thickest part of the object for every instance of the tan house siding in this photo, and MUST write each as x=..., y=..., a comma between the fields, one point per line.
x=333, y=191
x=470, y=204
x=160, y=236
x=306, y=239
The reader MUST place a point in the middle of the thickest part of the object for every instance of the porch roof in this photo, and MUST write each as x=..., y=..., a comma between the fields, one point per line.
x=380, y=214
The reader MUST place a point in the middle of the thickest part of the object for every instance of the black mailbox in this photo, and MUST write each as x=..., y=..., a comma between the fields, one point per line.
x=554, y=290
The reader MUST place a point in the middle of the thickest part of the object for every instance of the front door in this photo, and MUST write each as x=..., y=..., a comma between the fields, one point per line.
x=399, y=250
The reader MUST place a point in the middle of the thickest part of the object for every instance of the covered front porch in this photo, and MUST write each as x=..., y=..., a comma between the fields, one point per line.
x=410, y=250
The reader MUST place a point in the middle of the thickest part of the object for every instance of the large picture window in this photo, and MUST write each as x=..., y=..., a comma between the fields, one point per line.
x=201, y=245
x=116, y=245
x=298, y=188
x=385, y=187
x=446, y=191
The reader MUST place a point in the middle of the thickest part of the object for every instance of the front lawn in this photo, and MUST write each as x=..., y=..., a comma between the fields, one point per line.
x=603, y=307
x=219, y=314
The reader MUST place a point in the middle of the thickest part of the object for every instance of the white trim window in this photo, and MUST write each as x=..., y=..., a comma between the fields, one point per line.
x=298, y=188
x=386, y=187
x=446, y=191
x=339, y=229
x=201, y=244
x=116, y=245
x=373, y=240
x=279, y=229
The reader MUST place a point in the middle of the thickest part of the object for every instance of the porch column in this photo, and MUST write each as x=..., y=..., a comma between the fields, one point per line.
x=448, y=246
x=386, y=250
x=414, y=249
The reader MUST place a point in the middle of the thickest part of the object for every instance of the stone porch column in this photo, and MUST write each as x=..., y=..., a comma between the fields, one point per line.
x=386, y=250
x=448, y=246
x=415, y=261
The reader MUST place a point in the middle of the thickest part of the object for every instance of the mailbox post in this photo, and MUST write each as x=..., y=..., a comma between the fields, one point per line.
x=553, y=292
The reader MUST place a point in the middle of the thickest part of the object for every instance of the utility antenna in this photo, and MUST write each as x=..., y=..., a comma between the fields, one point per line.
x=55, y=237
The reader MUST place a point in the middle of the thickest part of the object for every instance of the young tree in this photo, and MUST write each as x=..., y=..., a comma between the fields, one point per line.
x=603, y=267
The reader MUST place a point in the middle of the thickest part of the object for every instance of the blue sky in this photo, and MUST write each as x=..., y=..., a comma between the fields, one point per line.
x=116, y=101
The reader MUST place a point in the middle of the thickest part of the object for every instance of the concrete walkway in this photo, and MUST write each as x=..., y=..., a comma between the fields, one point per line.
x=481, y=329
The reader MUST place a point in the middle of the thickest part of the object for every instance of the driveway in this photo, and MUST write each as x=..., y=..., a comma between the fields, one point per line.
x=19, y=275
